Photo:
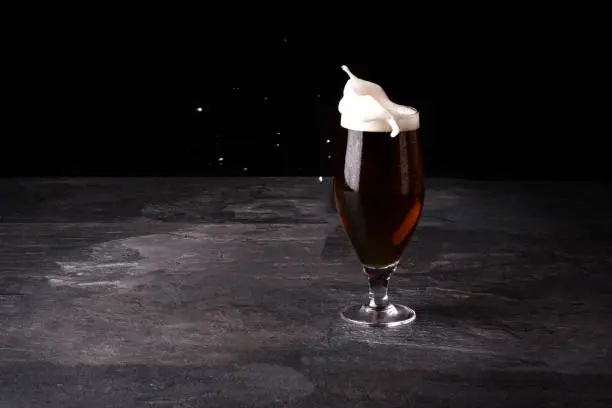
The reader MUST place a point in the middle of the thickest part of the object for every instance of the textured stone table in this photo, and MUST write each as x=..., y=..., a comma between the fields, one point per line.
x=227, y=293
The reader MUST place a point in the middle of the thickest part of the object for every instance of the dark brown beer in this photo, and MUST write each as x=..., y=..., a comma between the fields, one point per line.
x=379, y=192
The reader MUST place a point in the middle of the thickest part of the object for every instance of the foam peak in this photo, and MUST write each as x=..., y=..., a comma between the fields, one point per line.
x=366, y=107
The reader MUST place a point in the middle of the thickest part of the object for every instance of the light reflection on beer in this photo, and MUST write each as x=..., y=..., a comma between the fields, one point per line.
x=352, y=161
x=404, y=177
x=408, y=224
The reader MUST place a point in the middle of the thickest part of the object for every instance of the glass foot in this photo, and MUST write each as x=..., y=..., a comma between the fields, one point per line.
x=392, y=315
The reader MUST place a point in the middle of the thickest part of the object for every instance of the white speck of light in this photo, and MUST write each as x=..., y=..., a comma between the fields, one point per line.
x=265, y=98
x=245, y=169
x=284, y=39
x=220, y=159
x=278, y=133
x=329, y=157
x=199, y=109
x=318, y=95
x=320, y=179
x=327, y=141
x=278, y=144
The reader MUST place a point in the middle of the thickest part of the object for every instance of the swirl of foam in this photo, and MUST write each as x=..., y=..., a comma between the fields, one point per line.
x=366, y=107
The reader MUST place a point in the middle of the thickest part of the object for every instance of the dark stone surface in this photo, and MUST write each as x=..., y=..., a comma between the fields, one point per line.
x=227, y=293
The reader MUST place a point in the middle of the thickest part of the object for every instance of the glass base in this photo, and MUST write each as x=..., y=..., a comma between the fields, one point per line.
x=392, y=315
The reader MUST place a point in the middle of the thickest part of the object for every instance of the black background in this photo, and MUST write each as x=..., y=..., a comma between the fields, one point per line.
x=491, y=119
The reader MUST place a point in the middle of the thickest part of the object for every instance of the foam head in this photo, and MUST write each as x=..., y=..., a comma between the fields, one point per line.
x=365, y=106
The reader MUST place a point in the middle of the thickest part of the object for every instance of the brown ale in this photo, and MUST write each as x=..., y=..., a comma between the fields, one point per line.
x=379, y=192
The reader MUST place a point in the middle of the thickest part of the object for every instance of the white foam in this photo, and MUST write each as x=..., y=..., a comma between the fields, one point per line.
x=366, y=107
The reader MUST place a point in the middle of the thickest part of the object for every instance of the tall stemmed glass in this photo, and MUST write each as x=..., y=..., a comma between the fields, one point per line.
x=379, y=193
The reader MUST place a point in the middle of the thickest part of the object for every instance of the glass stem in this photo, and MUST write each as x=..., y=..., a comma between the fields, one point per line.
x=378, y=278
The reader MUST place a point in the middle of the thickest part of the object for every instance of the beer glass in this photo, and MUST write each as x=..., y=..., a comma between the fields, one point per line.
x=379, y=193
